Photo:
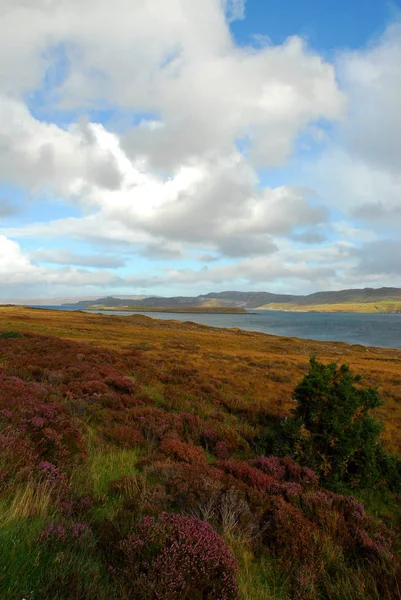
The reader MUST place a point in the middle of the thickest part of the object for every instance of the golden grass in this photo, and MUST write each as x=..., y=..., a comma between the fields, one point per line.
x=384, y=306
x=249, y=367
x=28, y=501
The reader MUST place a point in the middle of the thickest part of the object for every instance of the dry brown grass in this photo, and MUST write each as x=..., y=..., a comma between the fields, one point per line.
x=28, y=501
x=250, y=368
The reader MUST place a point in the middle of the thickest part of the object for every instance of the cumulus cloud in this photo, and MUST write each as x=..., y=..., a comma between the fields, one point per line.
x=21, y=276
x=235, y=9
x=175, y=59
x=381, y=257
x=66, y=257
x=7, y=208
x=43, y=156
x=361, y=172
x=198, y=116
x=208, y=204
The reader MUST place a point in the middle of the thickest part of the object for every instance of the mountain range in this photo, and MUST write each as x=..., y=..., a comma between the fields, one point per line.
x=252, y=300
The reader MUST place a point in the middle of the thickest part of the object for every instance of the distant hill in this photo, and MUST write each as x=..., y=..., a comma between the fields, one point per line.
x=390, y=297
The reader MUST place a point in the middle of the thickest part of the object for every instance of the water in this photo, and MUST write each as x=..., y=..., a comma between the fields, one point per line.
x=380, y=330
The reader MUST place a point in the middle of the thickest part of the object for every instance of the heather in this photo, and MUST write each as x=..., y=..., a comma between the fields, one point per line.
x=127, y=474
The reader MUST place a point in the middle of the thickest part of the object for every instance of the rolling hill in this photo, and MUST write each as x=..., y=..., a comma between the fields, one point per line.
x=357, y=300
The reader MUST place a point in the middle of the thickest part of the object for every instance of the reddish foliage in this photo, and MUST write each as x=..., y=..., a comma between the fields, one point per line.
x=180, y=451
x=139, y=496
x=156, y=424
x=127, y=436
x=221, y=450
x=190, y=485
x=17, y=457
x=271, y=466
x=177, y=557
x=45, y=429
x=247, y=474
x=58, y=533
x=288, y=534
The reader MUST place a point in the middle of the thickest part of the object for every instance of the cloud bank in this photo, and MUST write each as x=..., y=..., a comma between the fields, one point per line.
x=157, y=140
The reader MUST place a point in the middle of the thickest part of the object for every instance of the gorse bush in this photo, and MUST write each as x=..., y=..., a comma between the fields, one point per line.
x=10, y=335
x=333, y=431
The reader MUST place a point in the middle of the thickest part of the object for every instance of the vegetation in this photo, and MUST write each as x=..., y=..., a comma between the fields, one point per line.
x=125, y=440
x=333, y=431
x=169, y=309
x=378, y=306
x=367, y=299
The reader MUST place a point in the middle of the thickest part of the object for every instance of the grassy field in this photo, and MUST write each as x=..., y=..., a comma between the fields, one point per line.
x=108, y=424
x=384, y=306
x=250, y=367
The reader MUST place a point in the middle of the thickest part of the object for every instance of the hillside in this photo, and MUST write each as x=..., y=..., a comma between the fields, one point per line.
x=380, y=307
x=207, y=309
x=358, y=300
x=135, y=464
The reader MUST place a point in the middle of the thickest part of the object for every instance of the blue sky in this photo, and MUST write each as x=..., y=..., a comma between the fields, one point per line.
x=327, y=26
x=172, y=147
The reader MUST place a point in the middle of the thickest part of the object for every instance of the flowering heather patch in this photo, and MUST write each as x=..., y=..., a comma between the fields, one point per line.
x=59, y=533
x=264, y=505
x=302, y=475
x=288, y=534
x=177, y=557
x=190, y=486
x=156, y=424
x=271, y=466
x=125, y=435
x=75, y=370
x=247, y=474
x=221, y=450
x=180, y=451
x=17, y=458
x=45, y=428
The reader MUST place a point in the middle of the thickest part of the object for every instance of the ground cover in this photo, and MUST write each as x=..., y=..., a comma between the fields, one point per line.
x=124, y=439
x=381, y=306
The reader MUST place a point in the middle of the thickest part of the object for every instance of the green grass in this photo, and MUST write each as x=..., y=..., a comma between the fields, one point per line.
x=261, y=578
x=28, y=570
x=105, y=466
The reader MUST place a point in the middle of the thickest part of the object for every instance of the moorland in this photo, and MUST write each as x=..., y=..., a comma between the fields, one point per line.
x=214, y=310
x=143, y=459
x=381, y=300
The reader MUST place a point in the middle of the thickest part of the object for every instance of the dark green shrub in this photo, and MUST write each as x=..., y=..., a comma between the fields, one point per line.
x=10, y=334
x=332, y=429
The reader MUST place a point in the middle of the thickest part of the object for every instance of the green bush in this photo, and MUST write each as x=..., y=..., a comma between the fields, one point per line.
x=10, y=334
x=333, y=432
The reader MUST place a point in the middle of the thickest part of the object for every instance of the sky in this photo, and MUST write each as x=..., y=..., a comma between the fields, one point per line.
x=180, y=147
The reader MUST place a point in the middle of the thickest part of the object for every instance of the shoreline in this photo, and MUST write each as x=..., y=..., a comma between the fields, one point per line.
x=150, y=321
x=172, y=310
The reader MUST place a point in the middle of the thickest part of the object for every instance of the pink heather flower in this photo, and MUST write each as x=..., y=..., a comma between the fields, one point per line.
x=177, y=557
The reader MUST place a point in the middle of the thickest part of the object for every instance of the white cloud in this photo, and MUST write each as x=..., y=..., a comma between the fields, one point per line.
x=176, y=182
x=18, y=273
x=176, y=59
x=361, y=172
x=66, y=257
x=235, y=9
x=42, y=156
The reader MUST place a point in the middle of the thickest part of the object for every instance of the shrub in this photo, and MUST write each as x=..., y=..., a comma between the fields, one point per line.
x=180, y=451
x=45, y=429
x=332, y=429
x=194, y=487
x=10, y=335
x=176, y=558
